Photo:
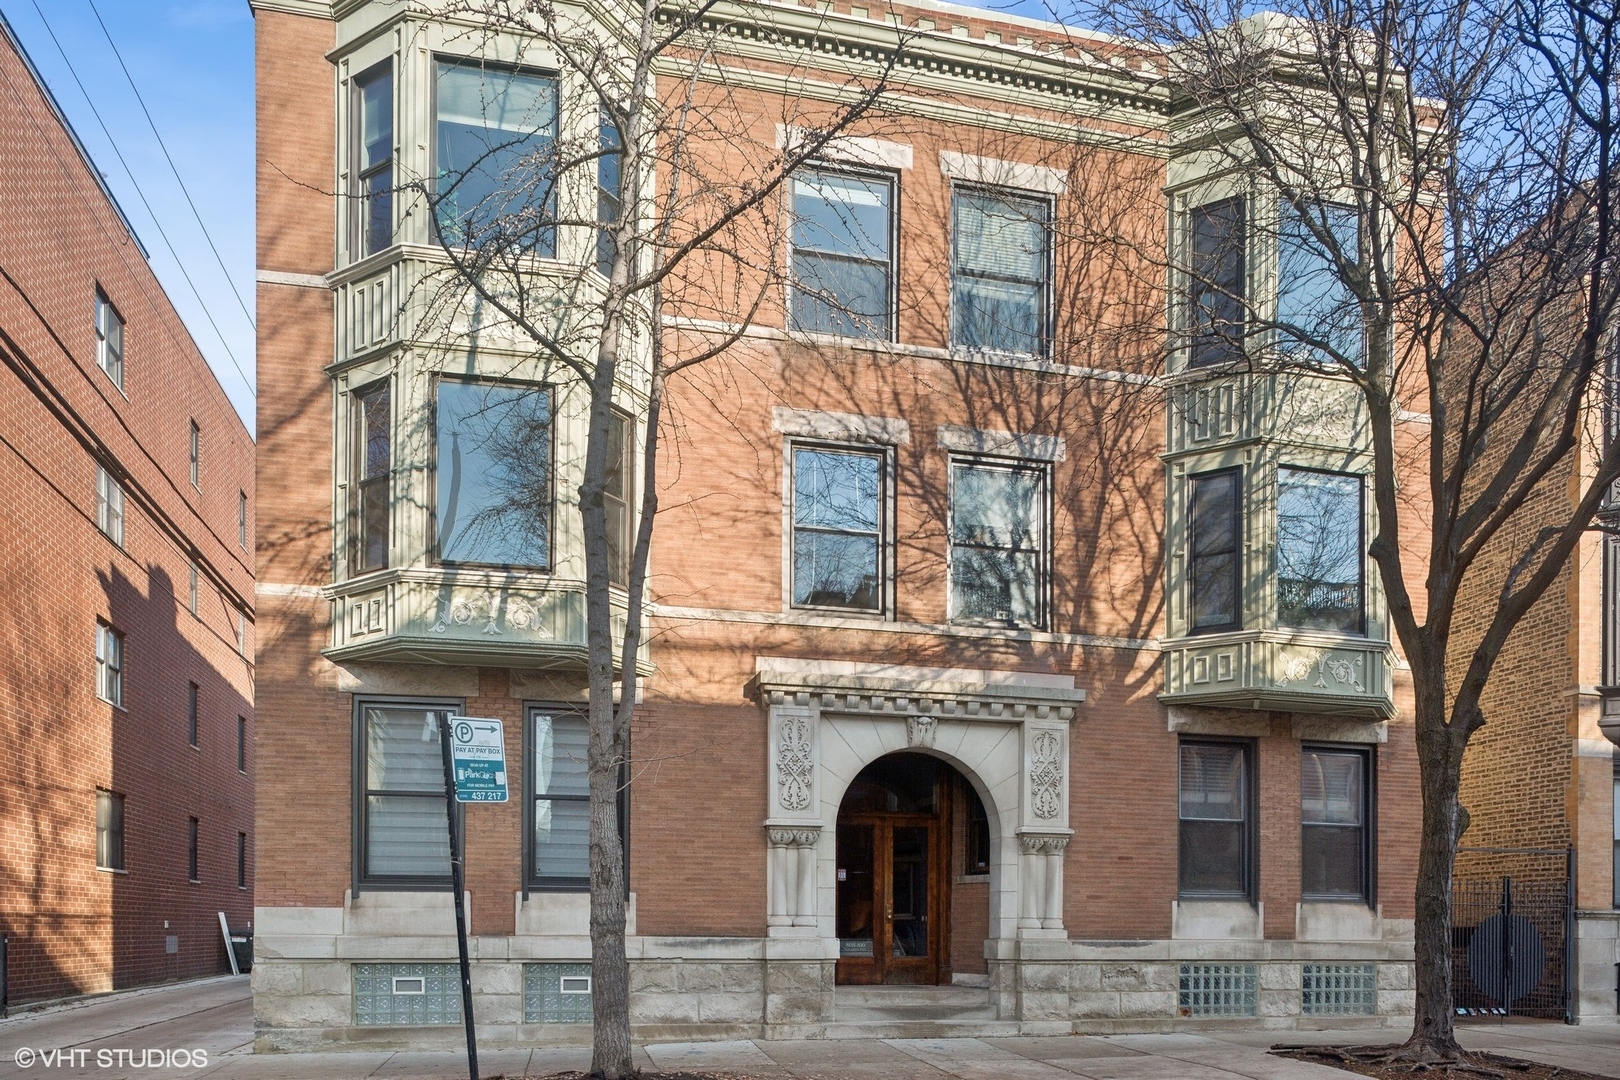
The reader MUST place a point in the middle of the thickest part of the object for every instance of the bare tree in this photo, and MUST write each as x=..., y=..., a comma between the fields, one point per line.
x=1441, y=176
x=623, y=223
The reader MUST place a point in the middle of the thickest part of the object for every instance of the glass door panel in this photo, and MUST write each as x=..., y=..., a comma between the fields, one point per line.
x=908, y=886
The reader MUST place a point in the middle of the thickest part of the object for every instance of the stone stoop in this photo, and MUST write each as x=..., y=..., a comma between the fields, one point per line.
x=915, y=1012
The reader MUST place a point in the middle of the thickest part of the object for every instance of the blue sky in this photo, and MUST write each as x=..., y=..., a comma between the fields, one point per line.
x=192, y=61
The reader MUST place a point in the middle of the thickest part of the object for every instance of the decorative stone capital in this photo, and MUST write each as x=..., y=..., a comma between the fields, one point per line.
x=1042, y=843
x=797, y=837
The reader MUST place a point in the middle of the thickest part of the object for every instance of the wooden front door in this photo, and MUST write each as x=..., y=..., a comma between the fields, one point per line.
x=891, y=898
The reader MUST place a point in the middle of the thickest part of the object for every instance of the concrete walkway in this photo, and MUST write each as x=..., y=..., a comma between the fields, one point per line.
x=213, y=1018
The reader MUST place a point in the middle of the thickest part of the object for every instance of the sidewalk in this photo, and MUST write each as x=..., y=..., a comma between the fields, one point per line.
x=214, y=1018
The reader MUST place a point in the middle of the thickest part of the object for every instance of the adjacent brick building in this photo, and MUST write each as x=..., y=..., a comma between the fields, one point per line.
x=126, y=632
x=995, y=627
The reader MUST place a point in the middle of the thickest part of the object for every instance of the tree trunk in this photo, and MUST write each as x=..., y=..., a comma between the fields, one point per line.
x=1433, y=1037
x=610, y=970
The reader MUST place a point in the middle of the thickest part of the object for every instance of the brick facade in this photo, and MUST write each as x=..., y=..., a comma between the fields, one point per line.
x=75, y=929
x=710, y=842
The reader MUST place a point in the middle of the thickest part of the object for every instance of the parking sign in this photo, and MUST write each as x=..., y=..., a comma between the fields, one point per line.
x=478, y=757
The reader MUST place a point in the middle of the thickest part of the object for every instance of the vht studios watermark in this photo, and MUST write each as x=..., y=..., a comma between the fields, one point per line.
x=29, y=1057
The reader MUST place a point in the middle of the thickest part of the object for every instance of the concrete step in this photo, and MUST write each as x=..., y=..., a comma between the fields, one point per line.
x=920, y=1029
x=911, y=1006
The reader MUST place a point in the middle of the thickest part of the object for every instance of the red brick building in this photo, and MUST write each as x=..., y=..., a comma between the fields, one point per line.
x=126, y=633
x=934, y=699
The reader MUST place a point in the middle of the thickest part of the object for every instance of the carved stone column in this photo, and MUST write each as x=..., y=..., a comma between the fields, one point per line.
x=1032, y=888
x=792, y=872
x=1052, y=914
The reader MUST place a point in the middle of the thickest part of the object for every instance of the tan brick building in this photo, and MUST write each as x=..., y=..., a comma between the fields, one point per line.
x=126, y=632
x=984, y=654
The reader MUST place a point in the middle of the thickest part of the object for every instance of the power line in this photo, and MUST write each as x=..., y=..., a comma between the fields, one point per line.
x=164, y=147
x=136, y=184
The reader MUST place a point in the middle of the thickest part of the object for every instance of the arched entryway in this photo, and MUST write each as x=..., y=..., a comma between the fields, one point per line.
x=910, y=831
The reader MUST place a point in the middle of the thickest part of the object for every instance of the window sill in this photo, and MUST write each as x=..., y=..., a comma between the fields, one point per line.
x=194, y=881
x=111, y=870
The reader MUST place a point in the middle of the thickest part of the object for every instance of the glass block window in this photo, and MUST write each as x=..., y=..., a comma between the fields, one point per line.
x=406, y=994
x=556, y=993
x=1340, y=990
x=1218, y=989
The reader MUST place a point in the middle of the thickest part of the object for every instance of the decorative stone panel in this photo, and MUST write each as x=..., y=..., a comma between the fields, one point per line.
x=1274, y=670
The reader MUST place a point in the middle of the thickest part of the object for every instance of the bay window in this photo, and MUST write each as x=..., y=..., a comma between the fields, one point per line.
x=1214, y=562
x=1319, y=551
x=1217, y=286
x=492, y=479
x=1316, y=310
x=495, y=131
x=374, y=159
x=371, y=463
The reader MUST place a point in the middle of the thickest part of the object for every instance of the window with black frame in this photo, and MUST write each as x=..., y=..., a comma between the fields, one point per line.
x=978, y=833
x=1320, y=543
x=842, y=254
x=1214, y=550
x=109, y=830
x=1216, y=814
x=998, y=543
x=1217, y=281
x=999, y=271
x=402, y=831
x=1334, y=799
x=492, y=473
x=560, y=799
x=1315, y=308
x=374, y=159
x=837, y=528
x=496, y=132
x=371, y=463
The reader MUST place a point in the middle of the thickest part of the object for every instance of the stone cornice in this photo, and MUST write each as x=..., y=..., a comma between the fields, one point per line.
x=318, y=9
x=762, y=32
x=942, y=699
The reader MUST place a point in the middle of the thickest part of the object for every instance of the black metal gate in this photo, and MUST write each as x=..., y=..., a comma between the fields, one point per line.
x=1513, y=929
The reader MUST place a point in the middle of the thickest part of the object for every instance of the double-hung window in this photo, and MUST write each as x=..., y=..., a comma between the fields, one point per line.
x=999, y=271
x=109, y=830
x=371, y=462
x=1217, y=281
x=492, y=480
x=109, y=506
x=241, y=520
x=109, y=340
x=998, y=543
x=109, y=664
x=1317, y=313
x=837, y=528
x=193, y=869
x=1319, y=551
x=843, y=244
x=401, y=830
x=560, y=798
x=1335, y=788
x=1214, y=550
x=617, y=483
x=1216, y=799
x=496, y=132
x=374, y=159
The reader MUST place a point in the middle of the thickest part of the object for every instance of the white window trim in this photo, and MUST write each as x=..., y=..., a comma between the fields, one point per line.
x=886, y=523
x=994, y=172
